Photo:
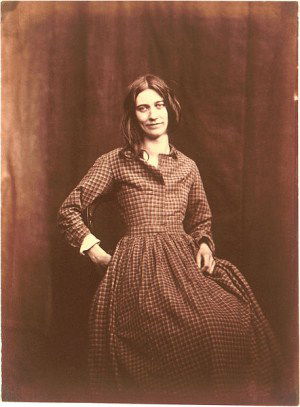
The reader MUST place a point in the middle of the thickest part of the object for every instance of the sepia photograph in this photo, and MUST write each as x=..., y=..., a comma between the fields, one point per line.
x=149, y=202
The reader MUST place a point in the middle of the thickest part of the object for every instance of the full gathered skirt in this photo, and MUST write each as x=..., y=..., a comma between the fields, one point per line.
x=161, y=330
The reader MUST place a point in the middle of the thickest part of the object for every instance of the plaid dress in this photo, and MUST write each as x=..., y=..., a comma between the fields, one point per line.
x=161, y=330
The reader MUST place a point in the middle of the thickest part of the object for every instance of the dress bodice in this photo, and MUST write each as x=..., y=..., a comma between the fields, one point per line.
x=148, y=195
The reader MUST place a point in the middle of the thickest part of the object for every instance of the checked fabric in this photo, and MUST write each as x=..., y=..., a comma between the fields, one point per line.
x=160, y=330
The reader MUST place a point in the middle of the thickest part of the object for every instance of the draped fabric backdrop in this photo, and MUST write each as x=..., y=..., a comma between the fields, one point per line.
x=65, y=69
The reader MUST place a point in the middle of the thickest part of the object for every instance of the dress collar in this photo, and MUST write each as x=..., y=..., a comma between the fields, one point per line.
x=173, y=152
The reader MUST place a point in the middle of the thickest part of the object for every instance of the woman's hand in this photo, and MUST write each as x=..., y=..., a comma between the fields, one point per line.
x=99, y=256
x=204, y=259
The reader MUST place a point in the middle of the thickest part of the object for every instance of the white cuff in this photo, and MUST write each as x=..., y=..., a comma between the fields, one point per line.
x=88, y=242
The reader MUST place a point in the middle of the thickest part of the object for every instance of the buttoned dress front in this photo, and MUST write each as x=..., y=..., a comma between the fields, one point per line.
x=161, y=330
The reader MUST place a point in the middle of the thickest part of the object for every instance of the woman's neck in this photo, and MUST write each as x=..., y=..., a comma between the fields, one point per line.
x=156, y=146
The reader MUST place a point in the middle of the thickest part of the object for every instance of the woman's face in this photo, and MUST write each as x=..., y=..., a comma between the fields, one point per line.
x=151, y=113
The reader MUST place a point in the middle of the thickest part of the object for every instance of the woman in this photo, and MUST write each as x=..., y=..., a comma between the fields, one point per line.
x=170, y=322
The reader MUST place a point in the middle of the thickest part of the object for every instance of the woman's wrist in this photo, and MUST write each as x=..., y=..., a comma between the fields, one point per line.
x=204, y=246
x=88, y=242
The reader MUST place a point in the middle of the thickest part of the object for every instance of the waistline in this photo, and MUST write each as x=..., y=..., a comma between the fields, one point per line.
x=154, y=228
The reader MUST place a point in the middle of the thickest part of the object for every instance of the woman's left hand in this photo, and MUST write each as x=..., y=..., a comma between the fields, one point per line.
x=204, y=259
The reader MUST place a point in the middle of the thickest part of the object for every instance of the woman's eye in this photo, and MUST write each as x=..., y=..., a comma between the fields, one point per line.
x=160, y=105
x=142, y=109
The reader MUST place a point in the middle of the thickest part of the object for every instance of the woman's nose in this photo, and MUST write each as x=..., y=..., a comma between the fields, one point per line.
x=153, y=113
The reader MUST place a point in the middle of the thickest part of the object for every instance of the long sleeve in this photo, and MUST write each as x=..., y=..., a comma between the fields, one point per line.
x=198, y=214
x=98, y=181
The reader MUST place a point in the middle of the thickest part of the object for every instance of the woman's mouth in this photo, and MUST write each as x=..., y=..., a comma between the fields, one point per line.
x=154, y=125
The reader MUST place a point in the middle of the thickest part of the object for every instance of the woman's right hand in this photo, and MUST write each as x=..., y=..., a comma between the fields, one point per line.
x=99, y=256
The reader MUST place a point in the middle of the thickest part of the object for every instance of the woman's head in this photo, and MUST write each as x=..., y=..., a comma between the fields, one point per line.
x=150, y=107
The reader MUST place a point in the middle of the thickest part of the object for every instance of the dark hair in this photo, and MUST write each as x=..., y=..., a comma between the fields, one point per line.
x=131, y=129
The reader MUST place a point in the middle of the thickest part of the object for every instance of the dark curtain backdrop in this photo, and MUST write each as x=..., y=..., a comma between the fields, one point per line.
x=65, y=69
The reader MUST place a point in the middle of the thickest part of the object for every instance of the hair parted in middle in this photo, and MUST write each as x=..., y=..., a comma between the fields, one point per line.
x=131, y=129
